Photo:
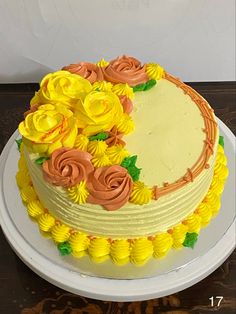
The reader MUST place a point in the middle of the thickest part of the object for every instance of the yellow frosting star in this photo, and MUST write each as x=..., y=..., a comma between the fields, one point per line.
x=178, y=235
x=35, y=208
x=102, y=86
x=28, y=194
x=126, y=124
x=79, y=193
x=116, y=154
x=162, y=244
x=79, y=243
x=60, y=233
x=193, y=222
x=154, y=71
x=97, y=147
x=141, y=251
x=46, y=222
x=123, y=90
x=99, y=249
x=120, y=251
x=141, y=194
x=81, y=142
x=102, y=63
x=101, y=161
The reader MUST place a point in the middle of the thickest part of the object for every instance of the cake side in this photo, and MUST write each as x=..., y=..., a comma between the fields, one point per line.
x=122, y=251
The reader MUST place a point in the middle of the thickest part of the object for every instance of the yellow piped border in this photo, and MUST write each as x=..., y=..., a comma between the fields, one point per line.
x=122, y=251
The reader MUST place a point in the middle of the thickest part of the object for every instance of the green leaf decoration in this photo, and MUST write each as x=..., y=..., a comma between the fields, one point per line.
x=18, y=142
x=190, y=239
x=41, y=160
x=145, y=86
x=221, y=141
x=134, y=172
x=150, y=84
x=129, y=163
x=139, y=87
x=100, y=137
x=64, y=248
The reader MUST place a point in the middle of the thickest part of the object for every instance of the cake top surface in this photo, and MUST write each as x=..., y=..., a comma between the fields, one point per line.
x=168, y=135
x=117, y=132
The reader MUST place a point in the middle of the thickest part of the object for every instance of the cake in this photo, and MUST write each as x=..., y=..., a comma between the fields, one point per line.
x=120, y=161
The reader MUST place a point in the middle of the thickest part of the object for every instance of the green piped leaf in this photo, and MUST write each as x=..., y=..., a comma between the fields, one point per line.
x=144, y=86
x=18, y=142
x=129, y=163
x=221, y=141
x=100, y=137
x=150, y=84
x=190, y=239
x=64, y=248
x=41, y=160
x=139, y=87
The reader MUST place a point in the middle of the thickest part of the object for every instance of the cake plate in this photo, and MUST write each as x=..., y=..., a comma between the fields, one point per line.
x=179, y=270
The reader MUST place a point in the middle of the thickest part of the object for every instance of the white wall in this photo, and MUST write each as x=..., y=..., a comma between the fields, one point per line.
x=192, y=39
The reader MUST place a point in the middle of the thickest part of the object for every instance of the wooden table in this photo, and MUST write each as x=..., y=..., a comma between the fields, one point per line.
x=22, y=291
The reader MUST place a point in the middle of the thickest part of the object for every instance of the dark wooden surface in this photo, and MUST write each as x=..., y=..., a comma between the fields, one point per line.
x=22, y=291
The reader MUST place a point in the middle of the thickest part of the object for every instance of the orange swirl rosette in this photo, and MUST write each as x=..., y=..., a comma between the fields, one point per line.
x=62, y=87
x=125, y=69
x=67, y=167
x=48, y=128
x=99, y=112
x=109, y=186
x=87, y=70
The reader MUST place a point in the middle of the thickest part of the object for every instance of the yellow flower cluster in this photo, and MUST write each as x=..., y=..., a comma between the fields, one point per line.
x=66, y=102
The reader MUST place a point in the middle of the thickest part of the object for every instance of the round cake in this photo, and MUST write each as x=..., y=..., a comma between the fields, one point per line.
x=120, y=160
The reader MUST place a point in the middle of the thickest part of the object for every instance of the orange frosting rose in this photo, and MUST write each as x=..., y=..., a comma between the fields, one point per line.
x=109, y=186
x=67, y=167
x=87, y=70
x=125, y=70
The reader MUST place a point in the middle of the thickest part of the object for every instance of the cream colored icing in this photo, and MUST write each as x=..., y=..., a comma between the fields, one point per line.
x=176, y=141
x=168, y=135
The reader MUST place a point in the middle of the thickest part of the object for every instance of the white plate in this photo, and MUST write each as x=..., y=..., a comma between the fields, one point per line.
x=179, y=270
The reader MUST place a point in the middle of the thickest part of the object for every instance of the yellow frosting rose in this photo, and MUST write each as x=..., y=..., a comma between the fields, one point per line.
x=62, y=87
x=99, y=112
x=49, y=128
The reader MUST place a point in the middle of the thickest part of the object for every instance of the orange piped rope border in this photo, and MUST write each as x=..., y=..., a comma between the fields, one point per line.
x=210, y=130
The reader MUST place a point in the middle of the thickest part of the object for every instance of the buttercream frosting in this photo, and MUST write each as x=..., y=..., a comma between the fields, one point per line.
x=125, y=69
x=67, y=167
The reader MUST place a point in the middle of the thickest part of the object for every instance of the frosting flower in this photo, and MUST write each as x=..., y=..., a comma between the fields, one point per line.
x=62, y=87
x=87, y=70
x=99, y=112
x=109, y=186
x=50, y=127
x=125, y=69
x=67, y=167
